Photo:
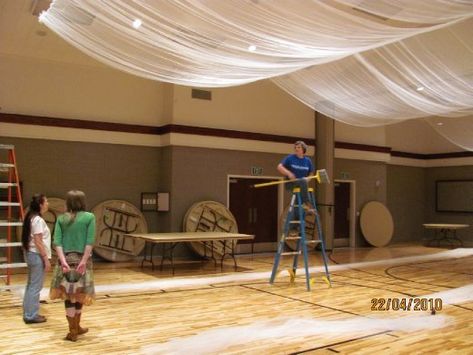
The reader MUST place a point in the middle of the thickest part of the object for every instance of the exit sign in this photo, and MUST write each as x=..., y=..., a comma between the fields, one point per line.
x=256, y=171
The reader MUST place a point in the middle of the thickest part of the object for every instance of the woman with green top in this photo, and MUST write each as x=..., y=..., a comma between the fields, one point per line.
x=73, y=281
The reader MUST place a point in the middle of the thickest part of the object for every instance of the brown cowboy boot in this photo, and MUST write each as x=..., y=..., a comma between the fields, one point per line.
x=80, y=330
x=72, y=335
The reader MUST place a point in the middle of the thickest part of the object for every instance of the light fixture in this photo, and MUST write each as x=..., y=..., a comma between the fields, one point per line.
x=252, y=48
x=137, y=23
x=420, y=88
x=41, y=16
x=439, y=123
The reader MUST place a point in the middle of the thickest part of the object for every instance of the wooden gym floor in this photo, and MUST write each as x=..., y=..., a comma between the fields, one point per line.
x=200, y=313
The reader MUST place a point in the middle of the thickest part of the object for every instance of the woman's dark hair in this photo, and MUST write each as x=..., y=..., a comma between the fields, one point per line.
x=34, y=209
x=75, y=202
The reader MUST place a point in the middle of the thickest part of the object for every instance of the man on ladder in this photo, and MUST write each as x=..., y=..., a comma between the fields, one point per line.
x=298, y=166
x=299, y=170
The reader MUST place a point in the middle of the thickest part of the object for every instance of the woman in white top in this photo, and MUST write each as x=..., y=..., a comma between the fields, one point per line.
x=36, y=240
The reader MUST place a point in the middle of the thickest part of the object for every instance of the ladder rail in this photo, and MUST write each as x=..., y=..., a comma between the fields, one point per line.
x=301, y=216
x=9, y=217
x=301, y=244
x=282, y=241
x=319, y=232
x=9, y=224
x=17, y=180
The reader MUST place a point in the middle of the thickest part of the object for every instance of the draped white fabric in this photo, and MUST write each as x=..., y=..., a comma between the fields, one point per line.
x=430, y=74
x=361, y=62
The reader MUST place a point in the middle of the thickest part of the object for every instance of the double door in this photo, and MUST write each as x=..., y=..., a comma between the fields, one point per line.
x=256, y=212
x=342, y=214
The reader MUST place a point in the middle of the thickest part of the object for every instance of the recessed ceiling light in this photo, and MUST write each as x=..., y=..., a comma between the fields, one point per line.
x=420, y=88
x=252, y=48
x=41, y=16
x=137, y=23
x=439, y=123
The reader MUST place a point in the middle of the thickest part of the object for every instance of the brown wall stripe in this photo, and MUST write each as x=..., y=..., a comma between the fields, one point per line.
x=363, y=147
x=432, y=156
x=226, y=133
x=395, y=153
x=128, y=128
x=73, y=123
x=205, y=131
x=450, y=155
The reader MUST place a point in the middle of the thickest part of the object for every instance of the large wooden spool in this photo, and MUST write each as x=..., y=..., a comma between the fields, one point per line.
x=209, y=216
x=114, y=218
x=310, y=228
x=57, y=207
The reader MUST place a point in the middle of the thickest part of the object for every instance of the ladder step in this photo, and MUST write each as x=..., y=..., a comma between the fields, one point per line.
x=4, y=223
x=313, y=241
x=6, y=165
x=7, y=146
x=11, y=287
x=12, y=244
x=291, y=253
x=292, y=238
x=295, y=222
x=2, y=203
x=13, y=266
x=4, y=185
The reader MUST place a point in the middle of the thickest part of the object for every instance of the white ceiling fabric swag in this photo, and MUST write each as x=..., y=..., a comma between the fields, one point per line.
x=361, y=62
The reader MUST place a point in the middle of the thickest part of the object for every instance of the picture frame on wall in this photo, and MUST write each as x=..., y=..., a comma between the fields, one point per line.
x=454, y=196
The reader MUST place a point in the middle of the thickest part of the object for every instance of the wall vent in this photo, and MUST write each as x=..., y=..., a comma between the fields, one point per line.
x=201, y=94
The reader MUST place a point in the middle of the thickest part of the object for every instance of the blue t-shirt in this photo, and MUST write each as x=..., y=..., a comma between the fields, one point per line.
x=300, y=167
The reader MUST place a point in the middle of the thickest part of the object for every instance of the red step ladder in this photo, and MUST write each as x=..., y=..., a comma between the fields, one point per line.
x=11, y=212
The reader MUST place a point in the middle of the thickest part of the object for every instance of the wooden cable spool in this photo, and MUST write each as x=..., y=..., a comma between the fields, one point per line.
x=209, y=216
x=310, y=228
x=114, y=218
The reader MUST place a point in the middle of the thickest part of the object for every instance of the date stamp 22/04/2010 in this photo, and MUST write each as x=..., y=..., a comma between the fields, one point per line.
x=406, y=304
